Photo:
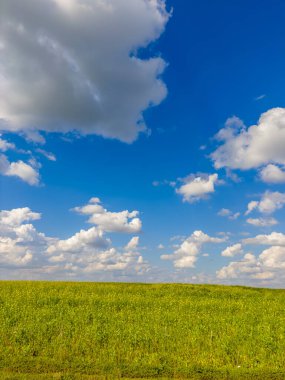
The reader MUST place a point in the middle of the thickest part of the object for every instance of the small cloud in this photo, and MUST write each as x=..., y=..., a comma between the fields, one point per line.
x=260, y=97
x=224, y=212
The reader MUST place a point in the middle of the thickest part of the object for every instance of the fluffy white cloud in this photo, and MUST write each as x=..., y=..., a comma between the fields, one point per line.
x=19, y=169
x=275, y=238
x=84, y=253
x=197, y=187
x=186, y=255
x=269, y=265
x=74, y=65
x=262, y=222
x=269, y=202
x=232, y=250
x=229, y=214
x=19, y=240
x=253, y=147
x=272, y=174
x=17, y=216
x=122, y=221
x=89, y=251
x=273, y=257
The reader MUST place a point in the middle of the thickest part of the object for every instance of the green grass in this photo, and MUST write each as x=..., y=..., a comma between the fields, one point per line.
x=105, y=331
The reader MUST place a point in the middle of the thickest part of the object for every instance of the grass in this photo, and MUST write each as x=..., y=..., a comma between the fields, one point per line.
x=103, y=331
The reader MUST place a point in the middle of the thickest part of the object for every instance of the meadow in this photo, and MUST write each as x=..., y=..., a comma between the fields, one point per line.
x=53, y=330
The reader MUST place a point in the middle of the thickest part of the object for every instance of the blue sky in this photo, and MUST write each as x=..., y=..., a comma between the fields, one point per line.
x=174, y=110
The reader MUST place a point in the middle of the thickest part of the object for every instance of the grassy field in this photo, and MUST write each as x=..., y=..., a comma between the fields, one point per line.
x=104, y=331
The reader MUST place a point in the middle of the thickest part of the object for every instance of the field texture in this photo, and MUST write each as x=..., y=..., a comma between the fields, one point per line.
x=97, y=331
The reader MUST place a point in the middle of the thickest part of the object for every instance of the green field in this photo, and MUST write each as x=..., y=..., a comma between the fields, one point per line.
x=105, y=331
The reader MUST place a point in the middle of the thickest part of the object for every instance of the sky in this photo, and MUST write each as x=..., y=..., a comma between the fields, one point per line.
x=143, y=141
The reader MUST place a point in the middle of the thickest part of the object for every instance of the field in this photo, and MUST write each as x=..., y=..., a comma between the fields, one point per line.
x=58, y=330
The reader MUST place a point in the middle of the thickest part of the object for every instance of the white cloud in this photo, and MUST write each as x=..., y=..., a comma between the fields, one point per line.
x=262, y=222
x=132, y=244
x=6, y=145
x=186, y=254
x=19, y=169
x=269, y=265
x=16, y=217
x=275, y=238
x=229, y=214
x=270, y=202
x=272, y=174
x=273, y=257
x=19, y=240
x=50, y=156
x=253, y=147
x=84, y=253
x=74, y=65
x=236, y=269
x=197, y=187
x=122, y=221
x=232, y=250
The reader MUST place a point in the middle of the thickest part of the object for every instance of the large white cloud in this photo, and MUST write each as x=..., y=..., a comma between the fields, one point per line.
x=122, y=221
x=253, y=147
x=197, y=187
x=186, y=254
x=74, y=65
x=84, y=253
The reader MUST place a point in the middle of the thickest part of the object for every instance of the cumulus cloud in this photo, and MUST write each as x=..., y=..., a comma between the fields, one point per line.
x=272, y=174
x=197, y=187
x=19, y=169
x=224, y=212
x=275, y=238
x=18, y=239
x=74, y=65
x=85, y=252
x=232, y=250
x=122, y=221
x=186, y=254
x=262, y=222
x=269, y=203
x=253, y=147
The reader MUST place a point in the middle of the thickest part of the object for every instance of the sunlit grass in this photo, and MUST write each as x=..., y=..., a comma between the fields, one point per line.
x=88, y=330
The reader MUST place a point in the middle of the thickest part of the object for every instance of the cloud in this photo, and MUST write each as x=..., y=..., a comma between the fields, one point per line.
x=122, y=221
x=50, y=156
x=272, y=174
x=6, y=145
x=186, y=255
x=197, y=187
x=232, y=250
x=19, y=169
x=262, y=222
x=75, y=65
x=229, y=214
x=84, y=253
x=269, y=203
x=275, y=238
x=269, y=265
x=253, y=147
x=19, y=240
x=89, y=251
x=132, y=244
